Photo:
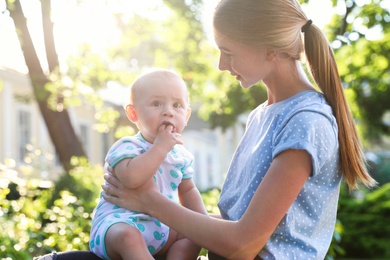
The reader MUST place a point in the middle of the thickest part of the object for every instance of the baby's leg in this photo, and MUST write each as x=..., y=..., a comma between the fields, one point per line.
x=182, y=248
x=126, y=242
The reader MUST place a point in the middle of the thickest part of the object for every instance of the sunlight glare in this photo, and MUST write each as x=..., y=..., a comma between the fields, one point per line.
x=94, y=21
x=75, y=23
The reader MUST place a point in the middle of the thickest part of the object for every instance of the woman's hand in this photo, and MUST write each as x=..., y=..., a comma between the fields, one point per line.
x=127, y=198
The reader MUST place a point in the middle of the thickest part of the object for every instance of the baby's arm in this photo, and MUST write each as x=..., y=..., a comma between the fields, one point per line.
x=190, y=197
x=135, y=172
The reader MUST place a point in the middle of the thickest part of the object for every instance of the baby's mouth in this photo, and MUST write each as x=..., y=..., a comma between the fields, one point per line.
x=167, y=124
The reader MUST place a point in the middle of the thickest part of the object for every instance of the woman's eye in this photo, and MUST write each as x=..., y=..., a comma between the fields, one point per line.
x=227, y=55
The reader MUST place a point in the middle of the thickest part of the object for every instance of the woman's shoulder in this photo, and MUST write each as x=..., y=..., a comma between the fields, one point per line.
x=308, y=101
x=309, y=110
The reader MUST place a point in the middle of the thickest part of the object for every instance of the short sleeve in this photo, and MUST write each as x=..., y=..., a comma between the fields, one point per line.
x=188, y=171
x=311, y=131
x=186, y=161
x=127, y=147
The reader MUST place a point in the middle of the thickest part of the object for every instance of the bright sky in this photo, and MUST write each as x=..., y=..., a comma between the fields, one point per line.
x=91, y=21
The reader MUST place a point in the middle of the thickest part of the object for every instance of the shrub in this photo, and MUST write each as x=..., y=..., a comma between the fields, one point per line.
x=365, y=217
x=38, y=219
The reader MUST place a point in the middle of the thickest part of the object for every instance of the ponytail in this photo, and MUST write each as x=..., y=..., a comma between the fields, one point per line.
x=323, y=68
x=278, y=23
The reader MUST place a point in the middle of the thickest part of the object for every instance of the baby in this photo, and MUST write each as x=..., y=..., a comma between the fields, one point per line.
x=159, y=107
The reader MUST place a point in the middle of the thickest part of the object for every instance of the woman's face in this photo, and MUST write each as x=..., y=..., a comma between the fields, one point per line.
x=249, y=65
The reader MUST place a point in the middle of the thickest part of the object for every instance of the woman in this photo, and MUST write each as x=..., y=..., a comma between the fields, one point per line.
x=279, y=200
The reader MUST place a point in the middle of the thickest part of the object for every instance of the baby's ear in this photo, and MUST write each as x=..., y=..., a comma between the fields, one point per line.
x=131, y=113
x=188, y=114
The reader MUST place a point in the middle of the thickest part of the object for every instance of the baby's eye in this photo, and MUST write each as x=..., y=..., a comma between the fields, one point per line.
x=177, y=105
x=156, y=103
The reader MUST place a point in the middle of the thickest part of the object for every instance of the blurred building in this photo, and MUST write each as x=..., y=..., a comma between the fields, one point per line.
x=26, y=145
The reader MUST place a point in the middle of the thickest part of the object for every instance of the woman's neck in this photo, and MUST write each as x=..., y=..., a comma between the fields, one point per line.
x=287, y=80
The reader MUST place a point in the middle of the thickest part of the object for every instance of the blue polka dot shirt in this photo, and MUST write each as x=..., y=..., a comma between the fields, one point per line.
x=304, y=121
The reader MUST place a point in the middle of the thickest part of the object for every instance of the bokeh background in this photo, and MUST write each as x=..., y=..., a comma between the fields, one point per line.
x=65, y=71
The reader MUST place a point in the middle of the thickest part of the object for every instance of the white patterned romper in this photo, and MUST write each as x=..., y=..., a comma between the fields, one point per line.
x=177, y=165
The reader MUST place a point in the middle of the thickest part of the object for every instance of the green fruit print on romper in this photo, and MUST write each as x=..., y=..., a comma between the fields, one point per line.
x=173, y=186
x=174, y=174
x=151, y=249
x=158, y=235
x=141, y=227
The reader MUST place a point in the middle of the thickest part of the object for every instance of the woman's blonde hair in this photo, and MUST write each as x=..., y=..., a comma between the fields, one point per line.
x=278, y=24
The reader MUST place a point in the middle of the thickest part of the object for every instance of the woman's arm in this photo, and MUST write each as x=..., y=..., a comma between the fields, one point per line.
x=241, y=239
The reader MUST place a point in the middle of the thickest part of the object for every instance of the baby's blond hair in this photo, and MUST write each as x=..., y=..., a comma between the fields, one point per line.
x=157, y=73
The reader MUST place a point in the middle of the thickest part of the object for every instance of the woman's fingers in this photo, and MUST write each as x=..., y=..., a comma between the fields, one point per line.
x=109, y=190
x=110, y=198
x=111, y=179
x=114, y=194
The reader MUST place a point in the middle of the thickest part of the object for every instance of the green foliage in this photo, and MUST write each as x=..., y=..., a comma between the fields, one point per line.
x=362, y=40
x=380, y=167
x=19, y=225
x=176, y=41
x=335, y=248
x=124, y=131
x=221, y=108
x=37, y=218
x=367, y=75
x=210, y=199
x=32, y=225
x=365, y=217
x=43, y=218
x=80, y=78
x=106, y=118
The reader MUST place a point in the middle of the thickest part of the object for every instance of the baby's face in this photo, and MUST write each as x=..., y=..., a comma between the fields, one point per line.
x=161, y=102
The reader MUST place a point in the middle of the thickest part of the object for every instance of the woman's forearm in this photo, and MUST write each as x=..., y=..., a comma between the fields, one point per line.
x=232, y=239
x=220, y=236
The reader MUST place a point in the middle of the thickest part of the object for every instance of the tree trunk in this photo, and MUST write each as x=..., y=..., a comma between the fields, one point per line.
x=58, y=123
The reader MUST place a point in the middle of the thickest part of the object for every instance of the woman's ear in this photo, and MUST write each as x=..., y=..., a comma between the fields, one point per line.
x=131, y=113
x=271, y=54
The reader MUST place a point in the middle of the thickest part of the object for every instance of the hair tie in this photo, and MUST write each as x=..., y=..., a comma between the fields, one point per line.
x=306, y=26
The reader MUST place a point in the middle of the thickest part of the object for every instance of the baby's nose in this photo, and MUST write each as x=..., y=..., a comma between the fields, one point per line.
x=167, y=111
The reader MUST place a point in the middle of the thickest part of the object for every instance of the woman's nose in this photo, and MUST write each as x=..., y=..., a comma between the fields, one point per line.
x=222, y=65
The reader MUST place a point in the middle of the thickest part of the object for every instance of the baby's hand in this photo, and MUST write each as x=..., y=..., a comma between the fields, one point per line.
x=167, y=137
